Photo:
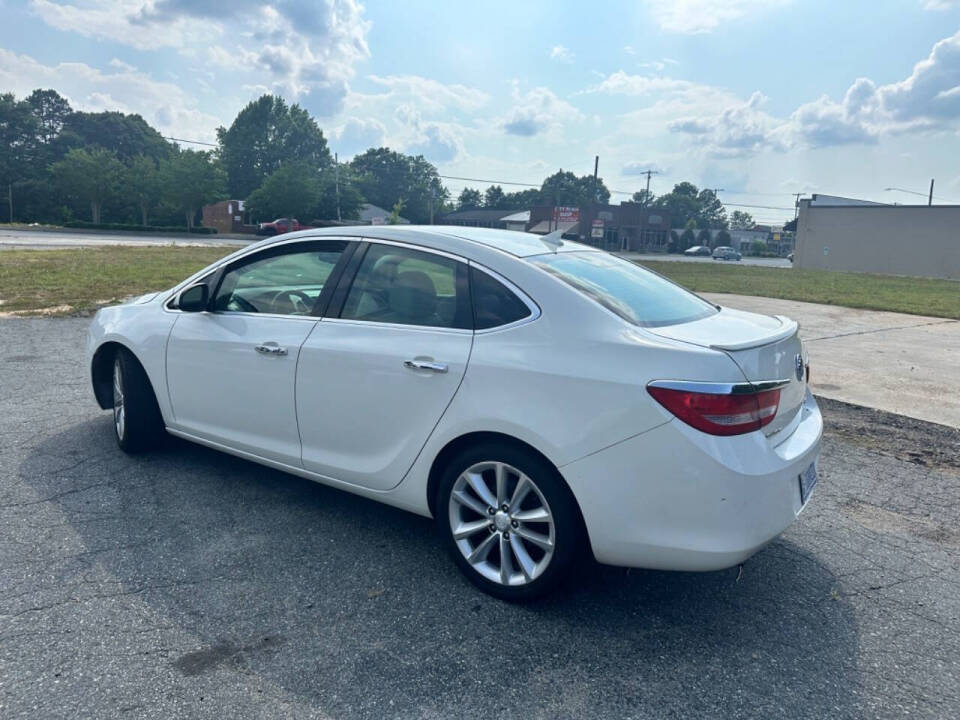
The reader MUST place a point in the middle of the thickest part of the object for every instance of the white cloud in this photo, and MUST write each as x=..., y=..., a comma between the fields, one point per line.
x=430, y=95
x=438, y=142
x=703, y=16
x=940, y=4
x=356, y=135
x=640, y=167
x=536, y=112
x=739, y=129
x=304, y=50
x=162, y=104
x=561, y=54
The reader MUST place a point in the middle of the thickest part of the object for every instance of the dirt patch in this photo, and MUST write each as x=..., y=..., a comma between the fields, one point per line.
x=914, y=441
x=886, y=521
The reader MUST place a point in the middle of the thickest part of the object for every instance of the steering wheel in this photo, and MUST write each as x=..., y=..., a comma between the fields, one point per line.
x=301, y=302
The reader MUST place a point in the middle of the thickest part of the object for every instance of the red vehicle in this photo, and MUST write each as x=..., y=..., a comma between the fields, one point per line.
x=280, y=226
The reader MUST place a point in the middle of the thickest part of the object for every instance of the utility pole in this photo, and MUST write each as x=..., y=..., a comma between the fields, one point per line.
x=930, y=197
x=336, y=175
x=596, y=166
x=796, y=205
x=433, y=193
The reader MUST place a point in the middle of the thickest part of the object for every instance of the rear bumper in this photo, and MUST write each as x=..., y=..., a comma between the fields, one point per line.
x=677, y=499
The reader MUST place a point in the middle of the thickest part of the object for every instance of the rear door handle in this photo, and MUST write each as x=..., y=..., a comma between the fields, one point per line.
x=270, y=348
x=425, y=365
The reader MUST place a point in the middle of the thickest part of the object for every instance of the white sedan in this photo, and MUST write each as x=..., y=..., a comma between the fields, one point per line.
x=541, y=399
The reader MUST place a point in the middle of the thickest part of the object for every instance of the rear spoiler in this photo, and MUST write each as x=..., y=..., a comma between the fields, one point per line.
x=789, y=329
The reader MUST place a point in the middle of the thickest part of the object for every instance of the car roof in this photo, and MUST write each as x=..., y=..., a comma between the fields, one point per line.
x=513, y=242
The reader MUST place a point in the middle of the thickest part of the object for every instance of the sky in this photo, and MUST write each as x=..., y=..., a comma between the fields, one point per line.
x=760, y=99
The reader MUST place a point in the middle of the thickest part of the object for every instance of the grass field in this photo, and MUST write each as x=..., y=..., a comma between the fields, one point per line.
x=62, y=282
x=917, y=296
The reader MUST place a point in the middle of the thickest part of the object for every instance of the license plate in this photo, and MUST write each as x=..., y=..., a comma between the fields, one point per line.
x=808, y=481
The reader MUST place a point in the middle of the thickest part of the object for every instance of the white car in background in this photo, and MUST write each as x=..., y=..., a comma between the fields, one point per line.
x=540, y=399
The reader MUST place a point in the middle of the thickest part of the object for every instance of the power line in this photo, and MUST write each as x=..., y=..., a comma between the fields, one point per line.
x=192, y=142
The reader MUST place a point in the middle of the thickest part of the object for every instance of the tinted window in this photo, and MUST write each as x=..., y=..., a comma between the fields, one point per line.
x=635, y=294
x=409, y=287
x=493, y=303
x=286, y=283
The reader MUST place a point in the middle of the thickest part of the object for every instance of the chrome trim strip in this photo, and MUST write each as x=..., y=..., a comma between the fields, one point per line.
x=720, y=388
x=395, y=326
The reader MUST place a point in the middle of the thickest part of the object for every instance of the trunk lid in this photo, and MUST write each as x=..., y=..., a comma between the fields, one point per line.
x=763, y=347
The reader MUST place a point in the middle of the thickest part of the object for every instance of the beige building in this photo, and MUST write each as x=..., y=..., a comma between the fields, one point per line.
x=918, y=240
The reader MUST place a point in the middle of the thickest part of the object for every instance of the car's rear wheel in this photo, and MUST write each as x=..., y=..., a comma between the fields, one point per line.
x=137, y=423
x=509, y=521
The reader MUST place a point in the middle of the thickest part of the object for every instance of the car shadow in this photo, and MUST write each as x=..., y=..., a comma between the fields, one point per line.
x=354, y=608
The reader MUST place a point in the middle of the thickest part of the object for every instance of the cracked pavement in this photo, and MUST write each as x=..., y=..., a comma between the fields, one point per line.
x=187, y=583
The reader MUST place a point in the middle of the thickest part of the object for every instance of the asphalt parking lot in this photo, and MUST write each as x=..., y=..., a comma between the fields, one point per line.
x=187, y=583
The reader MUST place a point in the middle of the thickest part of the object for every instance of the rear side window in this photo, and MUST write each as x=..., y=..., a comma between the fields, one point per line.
x=408, y=287
x=637, y=295
x=494, y=304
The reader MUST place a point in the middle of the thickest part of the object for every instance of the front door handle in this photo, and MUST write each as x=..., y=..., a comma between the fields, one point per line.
x=417, y=364
x=270, y=348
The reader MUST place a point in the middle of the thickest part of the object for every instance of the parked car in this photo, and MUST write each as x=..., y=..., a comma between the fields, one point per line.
x=697, y=250
x=542, y=400
x=280, y=226
x=790, y=257
x=725, y=252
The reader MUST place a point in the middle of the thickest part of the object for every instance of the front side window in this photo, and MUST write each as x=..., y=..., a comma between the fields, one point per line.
x=632, y=292
x=494, y=304
x=287, y=283
x=409, y=287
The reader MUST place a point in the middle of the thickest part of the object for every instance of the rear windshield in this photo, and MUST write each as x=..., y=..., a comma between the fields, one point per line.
x=632, y=292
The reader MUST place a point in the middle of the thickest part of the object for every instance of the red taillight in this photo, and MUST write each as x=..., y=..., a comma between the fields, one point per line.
x=720, y=414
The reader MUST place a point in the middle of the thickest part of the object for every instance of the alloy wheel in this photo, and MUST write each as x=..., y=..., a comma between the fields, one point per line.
x=119, y=412
x=501, y=523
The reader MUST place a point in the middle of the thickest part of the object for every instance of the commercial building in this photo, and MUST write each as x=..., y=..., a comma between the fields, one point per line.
x=479, y=217
x=856, y=236
x=627, y=226
x=371, y=214
x=228, y=216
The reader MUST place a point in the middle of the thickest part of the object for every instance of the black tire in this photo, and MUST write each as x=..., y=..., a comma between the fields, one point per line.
x=141, y=427
x=569, y=538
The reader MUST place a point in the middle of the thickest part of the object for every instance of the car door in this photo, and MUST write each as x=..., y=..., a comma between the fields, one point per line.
x=231, y=370
x=377, y=373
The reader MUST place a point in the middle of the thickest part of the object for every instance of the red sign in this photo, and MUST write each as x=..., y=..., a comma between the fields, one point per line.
x=566, y=214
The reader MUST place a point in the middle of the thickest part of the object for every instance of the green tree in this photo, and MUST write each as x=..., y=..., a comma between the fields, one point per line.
x=704, y=238
x=52, y=112
x=192, y=179
x=350, y=198
x=644, y=197
x=291, y=191
x=141, y=183
x=758, y=247
x=687, y=239
x=565, y=188
x=126, y=135
x=469, y=199
x=385, y=176
x=740, y=220
x=395, y=213
x=493, y=197
x=521, y=200
x=723, y=238
x=674, y=241
x=711, y=212
x=265, y=135
x=89, y=176
x=18, y=129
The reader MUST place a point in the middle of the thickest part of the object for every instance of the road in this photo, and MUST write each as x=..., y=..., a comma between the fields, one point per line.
x=47, y=239
x=187, y=583
x=661, y=257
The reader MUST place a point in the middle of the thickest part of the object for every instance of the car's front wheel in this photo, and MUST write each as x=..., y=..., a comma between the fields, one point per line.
x=137, y=423
x=509, y=521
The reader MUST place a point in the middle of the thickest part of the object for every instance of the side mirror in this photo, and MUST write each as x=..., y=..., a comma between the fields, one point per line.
x=194, y=298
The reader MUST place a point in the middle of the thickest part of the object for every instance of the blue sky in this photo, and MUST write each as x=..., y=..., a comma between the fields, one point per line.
x=762, y=98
